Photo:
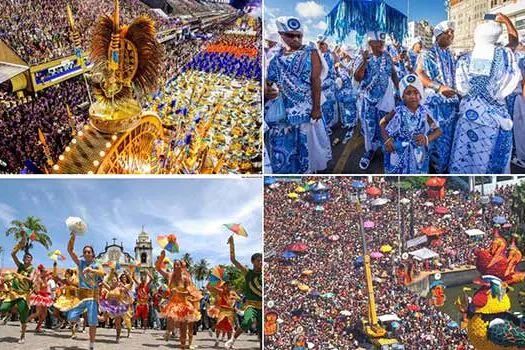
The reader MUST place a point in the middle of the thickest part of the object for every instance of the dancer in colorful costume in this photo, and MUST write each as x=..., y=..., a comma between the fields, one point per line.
x=21, y=286
x=114, y=302
x=40, y=298
x=89, y=275
x=128, y=283
x=328, y=85
x=252, y=292
x=377, y=78
x=68, y=294
x=143, y=288
x=224, y=310
x=179, y=310
x=346, y=93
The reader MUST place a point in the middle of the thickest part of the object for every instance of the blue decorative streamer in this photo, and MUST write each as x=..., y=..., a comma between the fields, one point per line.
x=362, y=16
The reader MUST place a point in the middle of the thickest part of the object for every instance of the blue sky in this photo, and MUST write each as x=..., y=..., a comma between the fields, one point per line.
x=312, y=12
x=193, y=209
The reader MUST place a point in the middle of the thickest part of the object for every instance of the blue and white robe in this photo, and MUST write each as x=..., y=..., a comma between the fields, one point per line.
x=516, y=108
x=296, y=145
x=413, y=57
x=438, y=64
x=483, y=139
x=399, y=65
x=373, y=91
x=408, y=157
x=328, y=88
x=347, y=95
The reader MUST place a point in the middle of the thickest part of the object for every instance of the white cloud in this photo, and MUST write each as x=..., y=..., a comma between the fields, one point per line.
x=271, y=12
x=7, y=214
x=321, y=26
x=310, y=9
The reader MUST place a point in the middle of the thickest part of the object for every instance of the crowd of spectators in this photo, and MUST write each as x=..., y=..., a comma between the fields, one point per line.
x=46, y=110
x=321, y=316
x=38, y=30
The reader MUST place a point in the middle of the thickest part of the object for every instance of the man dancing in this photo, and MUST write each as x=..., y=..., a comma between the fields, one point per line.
x=89, y=275
x=21, y=287
x=252, y=291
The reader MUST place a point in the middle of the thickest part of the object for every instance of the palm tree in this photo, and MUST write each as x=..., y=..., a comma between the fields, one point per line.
x=34, y=225
x=201, y=270
x=235, y=277
x=188, y=259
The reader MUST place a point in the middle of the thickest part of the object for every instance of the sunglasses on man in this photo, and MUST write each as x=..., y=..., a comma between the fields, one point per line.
x=291, y=35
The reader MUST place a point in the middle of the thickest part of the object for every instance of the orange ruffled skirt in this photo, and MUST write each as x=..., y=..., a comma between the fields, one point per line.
x=179, y=309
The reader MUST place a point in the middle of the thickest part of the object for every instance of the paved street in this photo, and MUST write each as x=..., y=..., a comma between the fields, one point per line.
x=346, y=157
x=60, y=340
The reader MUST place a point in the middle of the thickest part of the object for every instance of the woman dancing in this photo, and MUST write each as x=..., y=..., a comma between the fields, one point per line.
x=179, y=309
x=40, y=298
x=68, y=295
x=224, y=310
x=114, y=302
x=128, y=284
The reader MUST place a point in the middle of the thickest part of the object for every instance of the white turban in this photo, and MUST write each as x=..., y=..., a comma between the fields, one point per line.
x=411, y=80
x=415, y=41
x=487, y=33
x=376, y=35
x=347, y=49
x=486, y=36
x=288, y=24
x=443, y=27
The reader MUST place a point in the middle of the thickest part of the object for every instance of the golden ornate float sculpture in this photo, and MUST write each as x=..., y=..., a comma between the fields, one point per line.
x=127, y=62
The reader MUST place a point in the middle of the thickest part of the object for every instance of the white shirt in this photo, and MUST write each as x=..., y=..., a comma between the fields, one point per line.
x=51, y=288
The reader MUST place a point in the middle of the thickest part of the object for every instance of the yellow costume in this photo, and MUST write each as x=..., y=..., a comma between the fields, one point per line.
x=68, y=298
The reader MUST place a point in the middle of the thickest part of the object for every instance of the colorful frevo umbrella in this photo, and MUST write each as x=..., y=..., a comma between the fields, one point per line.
x=56, y=255
x=168, y=242
x=237, y=229
x=217, y=275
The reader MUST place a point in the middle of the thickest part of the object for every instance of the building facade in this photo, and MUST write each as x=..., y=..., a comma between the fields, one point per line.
x=143, y=253
x=515, y=10
x=115, y=253
x=422, y=29
x=467, y=14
